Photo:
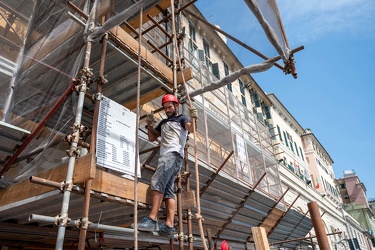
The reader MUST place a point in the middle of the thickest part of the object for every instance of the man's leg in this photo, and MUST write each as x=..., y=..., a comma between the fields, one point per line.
x=150, y=223
x=171, y=208
x=157, y=199
x=167, y=228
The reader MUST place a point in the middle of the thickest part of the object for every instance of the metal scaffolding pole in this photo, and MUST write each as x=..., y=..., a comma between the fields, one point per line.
x=86, y=76
x=86, y=204
x=75, y=223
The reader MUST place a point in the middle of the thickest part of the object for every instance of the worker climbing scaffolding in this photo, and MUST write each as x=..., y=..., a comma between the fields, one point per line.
x=173, y=132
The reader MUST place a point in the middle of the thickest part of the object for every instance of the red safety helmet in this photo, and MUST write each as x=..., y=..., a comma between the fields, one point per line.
x=169, y=98
x=224, y=245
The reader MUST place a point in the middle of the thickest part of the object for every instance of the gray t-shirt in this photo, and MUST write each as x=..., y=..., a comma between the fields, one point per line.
x=173, y=134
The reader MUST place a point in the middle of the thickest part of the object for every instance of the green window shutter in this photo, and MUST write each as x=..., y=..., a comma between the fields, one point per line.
x=260, y=117
x=272, y=131
x=267, y=112
x=291, y=146
x=279, y=131
x=201, y=55
x=243, y=100
x=229, y=86
x=226, y=69
x=300, y=150
x=286, y=139
x=295, y=145
x=215, y=70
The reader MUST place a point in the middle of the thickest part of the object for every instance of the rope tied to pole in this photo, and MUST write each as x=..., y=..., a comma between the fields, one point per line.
x=135, y=208
x=199, y=217
x=198, y=214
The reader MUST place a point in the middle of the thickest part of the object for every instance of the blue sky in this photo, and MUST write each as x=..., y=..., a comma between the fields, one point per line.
x=334, y=94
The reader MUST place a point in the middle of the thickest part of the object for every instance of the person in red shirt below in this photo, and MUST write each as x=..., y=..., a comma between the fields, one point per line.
x=173, y=132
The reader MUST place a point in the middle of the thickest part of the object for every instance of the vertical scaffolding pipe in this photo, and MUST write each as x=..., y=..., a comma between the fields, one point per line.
x=135, y=208
x=76, y=129
x=174, y=47
x=318, y=225
x=189, y=221
x=86, y=204
x=198, y=214
x=174, y=58
x=69, y=174
x=179, y=213
x=209, y=239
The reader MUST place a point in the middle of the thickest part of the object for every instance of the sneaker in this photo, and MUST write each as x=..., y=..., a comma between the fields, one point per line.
x=166, y=231
x=147, y=225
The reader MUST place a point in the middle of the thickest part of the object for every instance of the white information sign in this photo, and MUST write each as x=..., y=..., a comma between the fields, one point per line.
x=115, y=140
x=241, y=153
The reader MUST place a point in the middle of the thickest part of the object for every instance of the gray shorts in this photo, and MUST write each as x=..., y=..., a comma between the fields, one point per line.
x=169, y=166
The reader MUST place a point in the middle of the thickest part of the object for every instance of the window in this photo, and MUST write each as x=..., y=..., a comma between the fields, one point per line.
x=272, y=131
x=226, y=72
x=192, y=32
x=242, y=90
x=226, y=69
x=256, y=100
x=267, y=111
x=193, y=48
x=206, y=48
x=229, y=86
x=215, y=70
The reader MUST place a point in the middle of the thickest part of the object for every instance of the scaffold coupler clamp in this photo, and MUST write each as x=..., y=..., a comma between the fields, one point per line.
x=102, y=80
x=182, y=237
x=185, y=175
x=190, y=238
x=188, y=216
x=97, y=97
x=82, y=129
x=62, y=220
x=84, y=223
x=68, y=186
x=289, y=67
x=86, y=78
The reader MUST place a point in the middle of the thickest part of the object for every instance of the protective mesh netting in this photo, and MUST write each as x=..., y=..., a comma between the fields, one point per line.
x=40, y=78
x=268, y=16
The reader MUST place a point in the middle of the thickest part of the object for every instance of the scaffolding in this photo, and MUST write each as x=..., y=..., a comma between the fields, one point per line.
x=238, y=171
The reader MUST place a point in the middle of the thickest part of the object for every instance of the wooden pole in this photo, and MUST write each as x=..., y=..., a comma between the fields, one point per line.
x=260, y=238
x=318, y=225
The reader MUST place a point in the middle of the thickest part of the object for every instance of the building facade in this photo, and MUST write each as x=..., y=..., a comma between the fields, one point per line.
x=255, y=169
x=353, y=193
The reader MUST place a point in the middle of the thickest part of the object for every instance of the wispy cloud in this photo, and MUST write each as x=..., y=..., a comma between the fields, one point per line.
x=305, y=20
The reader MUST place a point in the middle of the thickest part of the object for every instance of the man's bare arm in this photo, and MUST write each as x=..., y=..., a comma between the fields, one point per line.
x=189, y=126
x=152, y=133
